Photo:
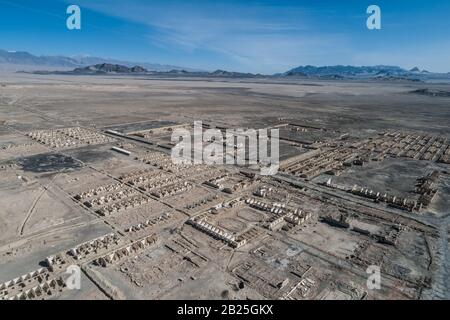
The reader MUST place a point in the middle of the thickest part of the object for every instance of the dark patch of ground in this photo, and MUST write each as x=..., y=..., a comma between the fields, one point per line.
x=432, y=92
x=48, y=162
x=90, y=154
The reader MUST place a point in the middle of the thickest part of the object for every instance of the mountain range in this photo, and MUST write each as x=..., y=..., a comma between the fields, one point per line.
x=22, y=60
x=340, y=71
x=109, y=68
x=380, y=73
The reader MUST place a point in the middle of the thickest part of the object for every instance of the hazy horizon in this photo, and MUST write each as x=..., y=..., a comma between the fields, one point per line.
x=188, y=68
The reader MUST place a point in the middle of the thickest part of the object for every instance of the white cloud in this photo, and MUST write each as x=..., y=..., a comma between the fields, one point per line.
x=259, y=38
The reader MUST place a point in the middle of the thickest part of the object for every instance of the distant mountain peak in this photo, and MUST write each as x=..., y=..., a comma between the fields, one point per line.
x=341, y=70
x=110, y=68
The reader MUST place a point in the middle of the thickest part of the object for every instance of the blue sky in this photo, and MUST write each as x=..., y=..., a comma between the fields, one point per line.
x=265, y=36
